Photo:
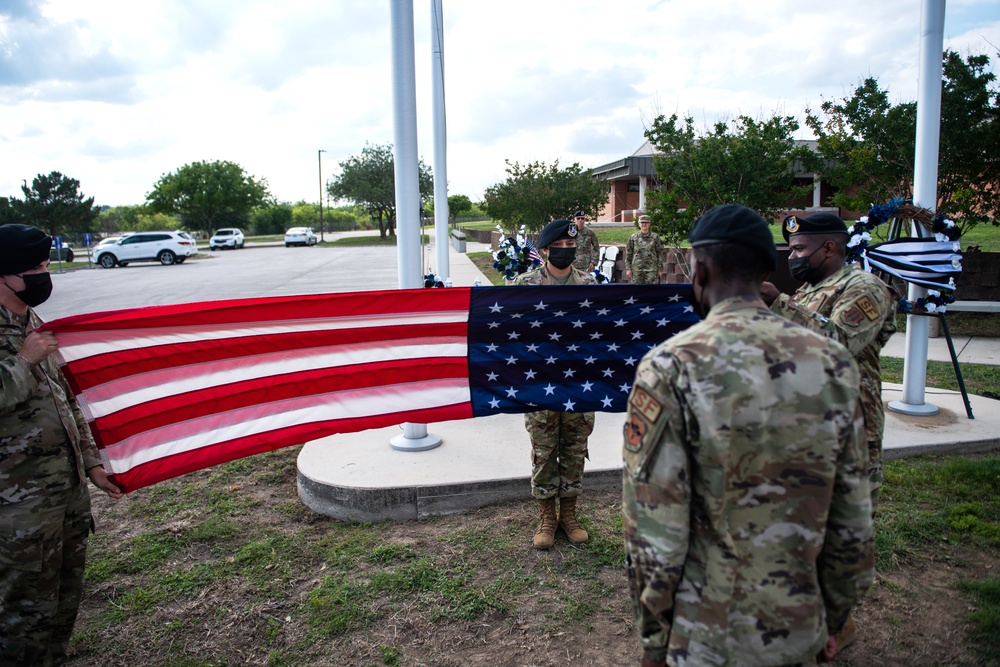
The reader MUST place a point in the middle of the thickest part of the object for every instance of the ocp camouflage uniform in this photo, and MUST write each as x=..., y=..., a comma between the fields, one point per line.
x=857, y=309
x=45, y=521
x=745, y=494
x=588, y=248
x=558, y=439
x=644, y=258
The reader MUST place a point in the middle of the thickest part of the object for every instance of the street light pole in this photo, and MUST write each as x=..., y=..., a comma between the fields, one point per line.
x=319, y=155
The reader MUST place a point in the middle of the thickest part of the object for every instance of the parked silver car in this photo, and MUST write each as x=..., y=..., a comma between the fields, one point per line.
x=300, y=236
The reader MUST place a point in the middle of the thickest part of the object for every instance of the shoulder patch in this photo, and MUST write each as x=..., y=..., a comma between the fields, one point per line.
x=869, y=309
x=635, y=429
x=854, y=316
x=644, y=411
x=645, y=404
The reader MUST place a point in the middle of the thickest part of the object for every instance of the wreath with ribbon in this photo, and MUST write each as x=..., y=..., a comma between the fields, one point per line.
x=515, y=255
x=932, y=267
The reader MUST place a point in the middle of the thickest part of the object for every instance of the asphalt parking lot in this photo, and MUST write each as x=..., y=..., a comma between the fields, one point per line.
x=229, y=274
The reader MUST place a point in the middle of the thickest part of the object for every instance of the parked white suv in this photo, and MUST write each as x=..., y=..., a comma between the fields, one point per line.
x=163, y=247
x=226, y=238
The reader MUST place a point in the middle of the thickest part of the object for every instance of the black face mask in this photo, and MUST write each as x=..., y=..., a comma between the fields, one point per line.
x=800, y=269
x=561, y=257
x=37, y=288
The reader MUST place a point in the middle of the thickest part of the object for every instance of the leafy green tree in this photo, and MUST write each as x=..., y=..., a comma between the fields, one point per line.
x=345, y=218
x=274, y=219
x=870, y=143
x=536, y=193
x=369, y=181
x=208, y=195
x=306, y=214
x=119, y=219
x=8, y=211
x=745, y=161
x=457, y=205
x=53, y=203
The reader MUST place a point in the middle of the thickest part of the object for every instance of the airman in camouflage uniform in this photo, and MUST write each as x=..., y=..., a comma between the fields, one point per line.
x=844, y=302
x=745, y=497
x=46, y=455
x=558, y=439
x=588, y=248
x=644, y=255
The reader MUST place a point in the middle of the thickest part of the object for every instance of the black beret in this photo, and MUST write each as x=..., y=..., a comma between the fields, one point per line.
x=555, y=230
x=738, y=225
x=817, y=223
x=22, y=248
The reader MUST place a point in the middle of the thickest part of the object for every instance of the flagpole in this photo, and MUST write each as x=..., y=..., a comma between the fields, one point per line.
x=925, y=175
x=405, y=161
x=440, y=143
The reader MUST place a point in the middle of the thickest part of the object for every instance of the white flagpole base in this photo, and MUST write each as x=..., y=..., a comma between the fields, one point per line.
x=922, y=410
x=415, y=439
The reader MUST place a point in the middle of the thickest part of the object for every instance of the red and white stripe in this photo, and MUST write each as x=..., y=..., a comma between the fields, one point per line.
x=172, y=389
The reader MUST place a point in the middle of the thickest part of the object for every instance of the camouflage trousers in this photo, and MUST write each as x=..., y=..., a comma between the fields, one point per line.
x=644, y=277
x=875, y=475
x=43, y=550
x=558, y=449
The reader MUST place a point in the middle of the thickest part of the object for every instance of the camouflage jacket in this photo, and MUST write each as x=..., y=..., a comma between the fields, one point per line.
x=644, y=252
x=44, y=439
x=540, y=276
x=746, y=507
x=859, y=310
x=588, y=249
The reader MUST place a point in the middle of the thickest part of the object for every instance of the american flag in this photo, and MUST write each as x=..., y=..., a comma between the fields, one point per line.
x=172, y=389
x=533, y=252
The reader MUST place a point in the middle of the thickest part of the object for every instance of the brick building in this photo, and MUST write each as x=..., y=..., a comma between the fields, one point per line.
x=630, y=178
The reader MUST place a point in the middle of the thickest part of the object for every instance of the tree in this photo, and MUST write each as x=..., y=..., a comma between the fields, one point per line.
x=120, y=219
x=52, y=203
x=537, y=192
x=457, y=204
x=369, y=180
x=745, y=161
x=274, y=219
x=209, y=194
x=870, y=143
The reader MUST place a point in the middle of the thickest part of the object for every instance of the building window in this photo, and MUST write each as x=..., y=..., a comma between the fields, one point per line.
x=633, y=186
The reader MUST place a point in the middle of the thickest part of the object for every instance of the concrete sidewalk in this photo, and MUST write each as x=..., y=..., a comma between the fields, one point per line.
x=969, y=349
x=360, y=477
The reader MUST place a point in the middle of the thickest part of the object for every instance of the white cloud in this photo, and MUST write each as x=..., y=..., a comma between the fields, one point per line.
x=116, y=92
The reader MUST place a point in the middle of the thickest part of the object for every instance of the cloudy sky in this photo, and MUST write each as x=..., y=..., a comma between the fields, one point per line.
x=116, y=93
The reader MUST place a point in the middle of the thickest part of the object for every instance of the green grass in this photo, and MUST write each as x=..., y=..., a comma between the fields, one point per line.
x=928, y=504
x=986, y=619
x=964, y=324
x=985, y=235
x=368, y=240
x=191, y=563
x=979, y=379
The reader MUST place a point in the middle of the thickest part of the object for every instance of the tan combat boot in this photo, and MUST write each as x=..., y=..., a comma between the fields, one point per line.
x=545, y=534
x=567, y=521
x=847, y=636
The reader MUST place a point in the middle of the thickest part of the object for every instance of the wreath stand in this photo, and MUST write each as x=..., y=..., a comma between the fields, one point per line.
x=943, y=317
x=897, y=210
